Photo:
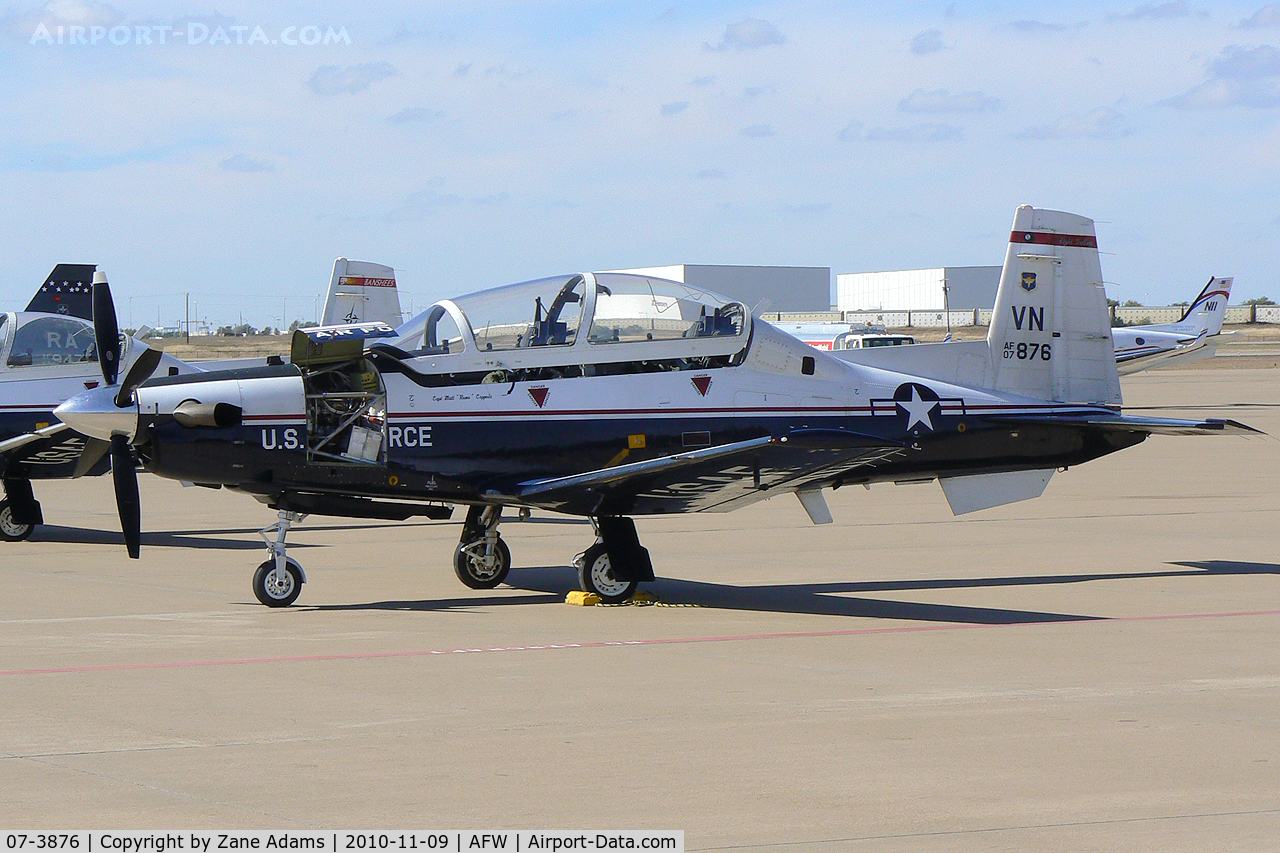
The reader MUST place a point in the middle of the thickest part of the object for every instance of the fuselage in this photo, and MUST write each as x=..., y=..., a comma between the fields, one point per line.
x=473, y=404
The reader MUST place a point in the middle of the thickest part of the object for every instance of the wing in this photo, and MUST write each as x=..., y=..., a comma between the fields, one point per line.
x=716, y=478
x=19, y=441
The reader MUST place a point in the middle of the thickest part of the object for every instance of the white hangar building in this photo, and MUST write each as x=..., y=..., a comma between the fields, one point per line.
x=937, y=289
x=791, y=289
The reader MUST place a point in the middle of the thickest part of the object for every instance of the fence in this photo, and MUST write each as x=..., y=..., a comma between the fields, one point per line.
x=1132, y=316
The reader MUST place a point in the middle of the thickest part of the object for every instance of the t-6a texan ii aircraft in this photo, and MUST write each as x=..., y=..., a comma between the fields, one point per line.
x=47, y=354
x=611, y=396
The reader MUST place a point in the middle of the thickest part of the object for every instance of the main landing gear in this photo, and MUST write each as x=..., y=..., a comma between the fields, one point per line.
x=19, y=511
x=611, y=568
x=278, y=581
x=614, y=566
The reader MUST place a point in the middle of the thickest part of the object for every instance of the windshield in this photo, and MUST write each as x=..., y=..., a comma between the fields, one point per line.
x=53, y=340
x=545, y=312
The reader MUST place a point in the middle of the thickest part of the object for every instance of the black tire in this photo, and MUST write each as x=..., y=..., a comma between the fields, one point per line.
x=472, y=572
x=595, y=574
x=278, y=593
x=10, y=530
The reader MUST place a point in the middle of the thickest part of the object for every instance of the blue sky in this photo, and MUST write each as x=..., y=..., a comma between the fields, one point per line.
x=471, y=144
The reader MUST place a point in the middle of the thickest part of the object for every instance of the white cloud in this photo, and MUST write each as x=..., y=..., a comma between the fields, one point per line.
x=758, y=131
x=929, y=41
x=1037, y=27
x=1267, y=16
x=673, y=108
x=916, y=133
x=415, y=115
x=422, y=204
x=944, y=101
x=245, y=163
x=1101, y=123
x=1173, y=9
x=61, y=13
x=850, y=131
x=1252, y=63
x=749, y=34
x=1217, y=94
x=1240, y=77
x=329, y=80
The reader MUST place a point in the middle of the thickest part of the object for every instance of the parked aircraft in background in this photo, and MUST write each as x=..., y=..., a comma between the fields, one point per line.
x=835, y=336
x=47, y=354
x=361, y=292
x=1135, y=347
x=1191, y=338
x=613, y=395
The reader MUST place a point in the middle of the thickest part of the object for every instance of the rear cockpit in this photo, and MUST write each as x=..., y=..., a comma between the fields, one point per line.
x=576, y=325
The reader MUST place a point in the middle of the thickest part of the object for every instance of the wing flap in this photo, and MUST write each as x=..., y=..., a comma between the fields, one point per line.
x=712, y=478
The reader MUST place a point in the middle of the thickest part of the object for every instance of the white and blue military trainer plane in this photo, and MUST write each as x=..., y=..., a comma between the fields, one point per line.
x=47, y=354
x=613, y=395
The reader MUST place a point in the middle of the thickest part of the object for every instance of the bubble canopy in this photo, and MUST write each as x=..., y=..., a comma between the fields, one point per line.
x=598, y=311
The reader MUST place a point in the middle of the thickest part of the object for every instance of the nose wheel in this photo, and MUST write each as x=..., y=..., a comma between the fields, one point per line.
x=278, y=581
x=479, y=569
x=482, y=560
x=276, y=588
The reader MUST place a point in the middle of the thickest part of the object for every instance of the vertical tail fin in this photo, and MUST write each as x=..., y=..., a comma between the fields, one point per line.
x=361, y=292
x=67, y=290
x=1050, y=334
x=1205, y=314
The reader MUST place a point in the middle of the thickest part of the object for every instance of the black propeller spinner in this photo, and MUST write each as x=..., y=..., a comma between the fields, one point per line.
x=123, y=472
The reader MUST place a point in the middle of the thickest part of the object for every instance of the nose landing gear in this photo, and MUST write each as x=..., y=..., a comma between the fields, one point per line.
x=482, y=559
x=278, y=581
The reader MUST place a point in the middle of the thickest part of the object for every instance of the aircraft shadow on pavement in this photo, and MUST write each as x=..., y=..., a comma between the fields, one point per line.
x=185, y=539
x=838, y=598
x=551, y=583
x=191, y=538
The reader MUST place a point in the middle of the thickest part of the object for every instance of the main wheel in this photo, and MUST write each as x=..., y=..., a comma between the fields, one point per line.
x=10, y=530
x=469, y=564
x=595, y=574
x=275, y=589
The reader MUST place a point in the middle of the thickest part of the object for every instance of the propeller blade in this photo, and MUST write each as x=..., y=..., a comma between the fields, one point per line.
x=94, y=449
x=143, y=366
x=105, y=330
x=127, y=501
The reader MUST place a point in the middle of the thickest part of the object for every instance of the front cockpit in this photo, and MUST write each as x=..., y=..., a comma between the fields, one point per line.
x=45, y=340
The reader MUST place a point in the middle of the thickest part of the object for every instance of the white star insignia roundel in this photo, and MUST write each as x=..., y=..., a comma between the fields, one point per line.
x=917, y=409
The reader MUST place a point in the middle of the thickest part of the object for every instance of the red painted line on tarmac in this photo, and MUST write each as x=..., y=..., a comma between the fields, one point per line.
x=601, y=644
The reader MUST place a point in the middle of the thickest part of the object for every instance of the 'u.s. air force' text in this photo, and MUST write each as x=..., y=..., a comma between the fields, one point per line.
x=410, y=435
